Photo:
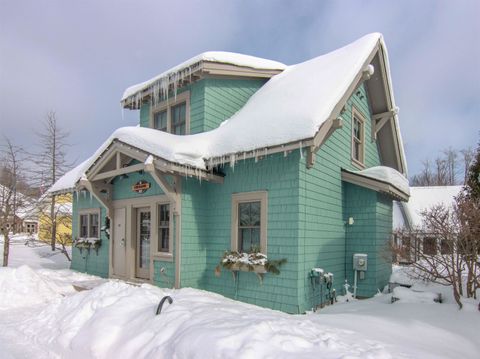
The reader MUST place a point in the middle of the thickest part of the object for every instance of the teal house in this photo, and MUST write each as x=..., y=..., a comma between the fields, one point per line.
x=242, y=154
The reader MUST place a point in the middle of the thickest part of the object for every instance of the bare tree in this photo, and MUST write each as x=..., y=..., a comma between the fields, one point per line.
x=425, y=177
x=451, y=165
x=9, y=200
x=446, y=169
x=433, y=250
x=60, y=224
x=51, y=164
x=446, y=249
x=467, y=157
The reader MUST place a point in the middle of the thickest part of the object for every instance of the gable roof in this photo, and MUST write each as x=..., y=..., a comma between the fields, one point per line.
x=289, y=109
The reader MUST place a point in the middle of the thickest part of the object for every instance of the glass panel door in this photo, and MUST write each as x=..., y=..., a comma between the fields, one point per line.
x=143, y=242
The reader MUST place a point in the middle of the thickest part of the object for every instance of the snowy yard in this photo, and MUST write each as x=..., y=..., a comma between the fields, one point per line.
x=42, y=316
x=25, y=249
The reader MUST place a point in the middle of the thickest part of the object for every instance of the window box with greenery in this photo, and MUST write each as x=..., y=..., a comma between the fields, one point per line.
x=87, y=243
x=249, y=262
x=89, y=230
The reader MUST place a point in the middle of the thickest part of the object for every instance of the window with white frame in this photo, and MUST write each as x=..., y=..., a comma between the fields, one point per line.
x=249, y=222
x=173, y=115
x=358, y=137
x=164, y=228
x=89, y=224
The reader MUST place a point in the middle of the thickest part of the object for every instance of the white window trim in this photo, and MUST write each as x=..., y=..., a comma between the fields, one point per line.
x=157, y=253
x=356, y=114
x=167, y=105
x=237, y=198
x=88, y=212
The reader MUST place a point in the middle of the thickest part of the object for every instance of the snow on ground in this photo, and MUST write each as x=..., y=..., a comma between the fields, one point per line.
x=26, y=249
x=42, y=316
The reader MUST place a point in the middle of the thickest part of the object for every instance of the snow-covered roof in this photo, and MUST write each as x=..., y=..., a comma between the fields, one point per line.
x=68, y=180
x=386, y=175
x=185, y=68
x=424, y=198
x=380, y=178
x=290, y=107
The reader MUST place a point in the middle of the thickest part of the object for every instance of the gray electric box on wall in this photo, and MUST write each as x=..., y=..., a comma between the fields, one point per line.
x=360, y=261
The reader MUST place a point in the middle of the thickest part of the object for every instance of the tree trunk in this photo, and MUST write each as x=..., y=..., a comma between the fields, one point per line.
x=456, y=295
x=53, y=220
x=64, y=250
x=459, y=281
x=6, y=247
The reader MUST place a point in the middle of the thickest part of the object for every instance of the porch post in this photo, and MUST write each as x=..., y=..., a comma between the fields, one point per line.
x=173, y=193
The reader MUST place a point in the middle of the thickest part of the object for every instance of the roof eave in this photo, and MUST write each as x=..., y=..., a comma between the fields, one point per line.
x=203, y=69
x=374, y=184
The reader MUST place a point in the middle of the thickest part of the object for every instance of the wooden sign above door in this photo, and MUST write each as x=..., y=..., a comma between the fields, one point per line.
x=141, y=186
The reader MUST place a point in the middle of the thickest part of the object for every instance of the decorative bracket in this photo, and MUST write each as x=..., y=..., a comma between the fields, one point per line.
x=379, y=120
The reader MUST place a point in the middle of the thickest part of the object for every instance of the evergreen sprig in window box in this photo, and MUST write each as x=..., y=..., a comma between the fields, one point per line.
x=249, y=262
x=88, y=243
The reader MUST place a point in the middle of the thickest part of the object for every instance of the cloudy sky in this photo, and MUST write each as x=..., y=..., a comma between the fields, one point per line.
x=77, y=57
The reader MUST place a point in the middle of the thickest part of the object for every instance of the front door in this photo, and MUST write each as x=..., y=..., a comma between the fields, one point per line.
x=142, y=266
x=119, y=247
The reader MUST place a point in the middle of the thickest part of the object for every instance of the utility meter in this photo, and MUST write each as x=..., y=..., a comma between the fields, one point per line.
x=360, y=262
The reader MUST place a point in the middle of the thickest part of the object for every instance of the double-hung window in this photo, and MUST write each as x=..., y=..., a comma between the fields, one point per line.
x=89, y=224
x=160, y=120
x=164, y=228
x=172, y=115
x=249, y=222
x=358, y=138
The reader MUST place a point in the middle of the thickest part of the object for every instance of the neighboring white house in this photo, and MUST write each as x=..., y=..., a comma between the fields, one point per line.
x=407, y=216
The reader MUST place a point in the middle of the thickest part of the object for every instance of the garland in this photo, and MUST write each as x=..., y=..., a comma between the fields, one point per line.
x=87, y=243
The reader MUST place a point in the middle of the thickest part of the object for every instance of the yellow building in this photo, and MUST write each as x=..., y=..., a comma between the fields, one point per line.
x=62, y=220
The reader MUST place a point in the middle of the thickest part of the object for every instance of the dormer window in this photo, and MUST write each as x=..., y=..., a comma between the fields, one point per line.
x=172, y=115
x=160, y=121
x=179, y=119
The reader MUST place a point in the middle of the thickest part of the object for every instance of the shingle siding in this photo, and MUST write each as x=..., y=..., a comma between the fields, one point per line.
x=307, y=211
x=90, y=261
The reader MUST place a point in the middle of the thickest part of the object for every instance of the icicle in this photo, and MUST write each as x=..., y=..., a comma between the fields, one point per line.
x=266, y=152
x=91, y=199
x=232, y=161
x=301, y=149
x=175, y=79
x=76, y=196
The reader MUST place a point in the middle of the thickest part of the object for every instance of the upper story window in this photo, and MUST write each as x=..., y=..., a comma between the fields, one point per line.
x=249, y=222
x=358, y=138
x=160, y=120
x=172, y=115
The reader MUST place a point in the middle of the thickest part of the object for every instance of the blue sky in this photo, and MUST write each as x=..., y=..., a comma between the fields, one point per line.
x=77, y=57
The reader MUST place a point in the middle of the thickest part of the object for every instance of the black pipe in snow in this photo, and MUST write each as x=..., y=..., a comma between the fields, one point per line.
x=160, y=305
